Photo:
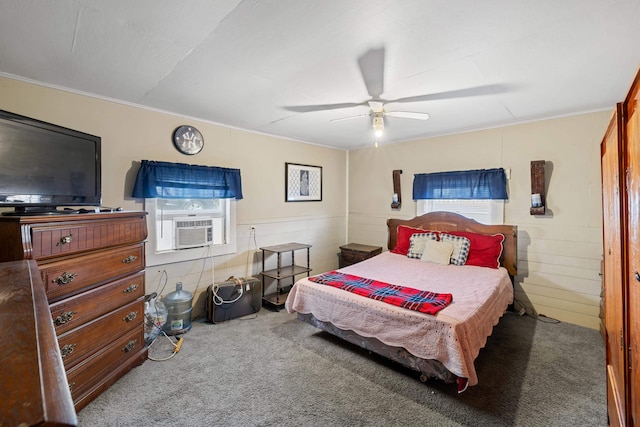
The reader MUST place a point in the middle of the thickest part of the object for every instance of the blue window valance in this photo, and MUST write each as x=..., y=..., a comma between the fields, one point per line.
x=181, y=181
x=471, y=184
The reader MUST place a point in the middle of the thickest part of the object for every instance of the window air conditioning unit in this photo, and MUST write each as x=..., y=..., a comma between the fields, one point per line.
x=192, y=232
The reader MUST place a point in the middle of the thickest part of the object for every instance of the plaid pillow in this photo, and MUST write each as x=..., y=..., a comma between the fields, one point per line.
x=416, y=243
x=461, y=247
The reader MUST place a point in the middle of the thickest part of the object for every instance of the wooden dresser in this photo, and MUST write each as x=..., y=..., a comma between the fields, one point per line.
x=92, y=267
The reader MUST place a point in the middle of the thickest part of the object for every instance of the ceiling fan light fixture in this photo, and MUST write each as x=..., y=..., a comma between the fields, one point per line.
x=378, y=125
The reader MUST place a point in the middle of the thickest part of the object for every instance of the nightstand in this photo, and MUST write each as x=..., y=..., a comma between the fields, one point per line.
x=355, y=252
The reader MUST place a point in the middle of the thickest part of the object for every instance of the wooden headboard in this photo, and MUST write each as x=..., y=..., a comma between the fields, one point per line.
x=449, y=221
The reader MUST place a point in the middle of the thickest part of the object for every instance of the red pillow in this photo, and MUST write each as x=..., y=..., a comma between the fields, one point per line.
x=485, y=250
x=404, y=234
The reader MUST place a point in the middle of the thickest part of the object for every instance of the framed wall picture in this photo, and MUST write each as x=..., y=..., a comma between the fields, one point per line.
x=302, y=183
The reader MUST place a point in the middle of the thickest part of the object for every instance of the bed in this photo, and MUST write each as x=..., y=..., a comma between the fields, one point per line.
x=442, y=345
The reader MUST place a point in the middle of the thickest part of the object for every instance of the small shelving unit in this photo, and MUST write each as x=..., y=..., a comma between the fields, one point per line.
x=282, y=272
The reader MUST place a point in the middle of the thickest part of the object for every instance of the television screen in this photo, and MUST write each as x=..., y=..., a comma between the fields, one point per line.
x=43, y=166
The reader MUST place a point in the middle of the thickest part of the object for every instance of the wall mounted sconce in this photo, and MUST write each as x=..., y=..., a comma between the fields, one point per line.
x=396, y=199
x=538, y=193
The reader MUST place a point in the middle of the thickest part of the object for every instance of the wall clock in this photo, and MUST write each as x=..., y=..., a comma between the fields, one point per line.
x=188, y=140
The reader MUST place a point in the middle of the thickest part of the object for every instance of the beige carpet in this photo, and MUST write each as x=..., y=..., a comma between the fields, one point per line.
x=275, y=370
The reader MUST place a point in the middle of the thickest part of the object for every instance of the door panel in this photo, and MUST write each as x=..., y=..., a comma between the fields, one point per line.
x=633, y=213
x=613, y=253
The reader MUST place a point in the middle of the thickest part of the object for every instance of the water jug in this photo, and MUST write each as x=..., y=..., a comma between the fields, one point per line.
x=178, y=304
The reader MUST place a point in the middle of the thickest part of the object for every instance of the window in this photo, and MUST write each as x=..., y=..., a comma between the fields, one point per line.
x=485, y=211
x=183, y=229
x=191, y=210
x=477, y=194
x=186, y=223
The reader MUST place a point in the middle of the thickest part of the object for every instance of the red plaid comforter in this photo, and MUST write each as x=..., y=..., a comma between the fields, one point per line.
x=401, y=296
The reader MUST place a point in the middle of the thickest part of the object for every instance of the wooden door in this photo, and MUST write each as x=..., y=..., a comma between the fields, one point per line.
x=614, y=273
x=632, y=135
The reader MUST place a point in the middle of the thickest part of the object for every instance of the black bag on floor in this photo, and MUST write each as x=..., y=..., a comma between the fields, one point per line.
x=236, y=297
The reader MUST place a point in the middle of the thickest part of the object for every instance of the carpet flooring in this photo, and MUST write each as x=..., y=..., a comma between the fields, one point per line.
x=274, y=370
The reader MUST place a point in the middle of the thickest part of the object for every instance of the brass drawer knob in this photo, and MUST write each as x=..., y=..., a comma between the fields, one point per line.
x=65, y=240
x=65, y=278
x=129, y=317
x=130, y=346
x=130, y=288
x=64, y=318
x=67, y=350
x=130, y=259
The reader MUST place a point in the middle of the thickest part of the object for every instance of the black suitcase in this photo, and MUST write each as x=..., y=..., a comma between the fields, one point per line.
x=236, y=297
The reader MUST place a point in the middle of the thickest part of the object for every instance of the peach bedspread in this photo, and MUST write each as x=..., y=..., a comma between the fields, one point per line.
x=454, y=336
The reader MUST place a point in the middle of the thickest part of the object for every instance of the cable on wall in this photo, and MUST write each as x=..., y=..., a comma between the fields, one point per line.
x=217, y=299
x=252, y=234
x=166, y=278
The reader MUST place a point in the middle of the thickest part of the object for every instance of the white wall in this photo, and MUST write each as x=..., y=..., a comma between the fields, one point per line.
x=559, y=253
x=130, y=134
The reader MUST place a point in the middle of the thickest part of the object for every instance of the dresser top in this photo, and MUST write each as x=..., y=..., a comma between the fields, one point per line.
x=39, y=219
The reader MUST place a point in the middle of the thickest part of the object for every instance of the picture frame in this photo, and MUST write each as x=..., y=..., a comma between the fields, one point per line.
x=302, y=183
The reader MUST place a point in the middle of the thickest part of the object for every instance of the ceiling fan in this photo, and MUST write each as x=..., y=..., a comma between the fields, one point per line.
x=377, y=114
x=372, y=69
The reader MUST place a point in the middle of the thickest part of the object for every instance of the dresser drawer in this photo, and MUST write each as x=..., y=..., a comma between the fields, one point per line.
x=88, y=374
x=86, y=306
x=68, y=276
x=80, y=236
x=92, y=336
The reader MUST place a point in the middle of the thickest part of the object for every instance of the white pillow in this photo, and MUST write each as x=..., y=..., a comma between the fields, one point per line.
x=437, y=252
x=416, y=243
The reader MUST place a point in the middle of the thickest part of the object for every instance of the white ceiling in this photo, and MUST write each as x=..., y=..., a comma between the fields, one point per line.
x=258, y=64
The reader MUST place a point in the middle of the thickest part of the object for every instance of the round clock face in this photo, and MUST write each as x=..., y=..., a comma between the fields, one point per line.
x=188, y=140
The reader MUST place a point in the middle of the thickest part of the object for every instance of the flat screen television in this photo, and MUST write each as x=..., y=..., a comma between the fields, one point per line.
x=44, y=166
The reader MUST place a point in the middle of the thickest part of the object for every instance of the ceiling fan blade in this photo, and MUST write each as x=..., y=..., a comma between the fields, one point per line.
x=458, y=93
x=311, y=108
x=407, y=115
x=372, y=70
x=350, y=117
